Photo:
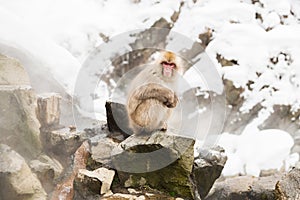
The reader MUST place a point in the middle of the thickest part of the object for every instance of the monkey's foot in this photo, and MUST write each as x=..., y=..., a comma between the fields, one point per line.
x=164, y=127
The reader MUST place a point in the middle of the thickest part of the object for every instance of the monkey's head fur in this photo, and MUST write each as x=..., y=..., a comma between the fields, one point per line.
x=170, y=64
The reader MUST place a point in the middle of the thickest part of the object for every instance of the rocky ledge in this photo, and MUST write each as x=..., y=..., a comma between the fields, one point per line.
x=41, y=159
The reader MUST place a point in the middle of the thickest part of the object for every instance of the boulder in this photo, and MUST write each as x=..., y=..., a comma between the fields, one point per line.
x=47, y=169
x=244, y=187
x=17, y=105
x=19, y=126
x=161, y=161
x=148, y=160
x=63, y=142
x=16, y=179
x=208, y=166
x=289, y=186
x=101, y=153
x=12, y=72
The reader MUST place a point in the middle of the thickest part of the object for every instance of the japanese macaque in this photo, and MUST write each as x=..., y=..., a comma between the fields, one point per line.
x=152, y=94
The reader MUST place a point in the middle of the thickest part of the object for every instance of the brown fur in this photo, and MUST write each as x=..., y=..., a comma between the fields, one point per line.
x=151, y=100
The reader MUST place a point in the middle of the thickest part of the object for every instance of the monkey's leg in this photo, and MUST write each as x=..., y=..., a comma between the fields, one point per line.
x=150, y=116
x=164, y=121
x=164, y=126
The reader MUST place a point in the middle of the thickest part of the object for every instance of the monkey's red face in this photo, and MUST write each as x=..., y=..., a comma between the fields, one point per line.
x=168, y=68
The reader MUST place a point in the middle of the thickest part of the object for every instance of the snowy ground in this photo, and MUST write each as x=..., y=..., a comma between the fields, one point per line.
x=263, y=38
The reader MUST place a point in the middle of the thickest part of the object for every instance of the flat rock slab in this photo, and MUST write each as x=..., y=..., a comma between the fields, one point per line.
x=98, y=182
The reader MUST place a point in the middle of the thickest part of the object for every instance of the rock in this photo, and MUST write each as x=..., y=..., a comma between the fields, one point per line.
x=117, y=119
x=147, y=196
x=48, y=170
x=17, y=106
x=225, y=62
x=233, y=94
x=207, y=168
x=12, y=72
x=268, y=172
x=244, y=187
x=89, y=183
x=63, y=141
x=289, y=186
x=16, y=179
x=205, y=37
x=64, y=189
x=101, y=153
x=283, y=117
x=138, y=156
x=161, y=161
x=19, y=126
x=48, y=110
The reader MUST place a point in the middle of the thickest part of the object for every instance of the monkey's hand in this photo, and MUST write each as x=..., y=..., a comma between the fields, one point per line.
x=171, y=100
x=156, y=91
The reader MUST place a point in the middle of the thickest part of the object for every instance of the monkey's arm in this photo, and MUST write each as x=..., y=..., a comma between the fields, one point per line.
x=156, y=91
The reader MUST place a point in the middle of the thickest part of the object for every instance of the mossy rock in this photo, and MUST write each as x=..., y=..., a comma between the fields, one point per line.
x=158, y=166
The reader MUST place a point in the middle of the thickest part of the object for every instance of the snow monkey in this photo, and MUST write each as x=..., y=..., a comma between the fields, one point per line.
x=152, y=94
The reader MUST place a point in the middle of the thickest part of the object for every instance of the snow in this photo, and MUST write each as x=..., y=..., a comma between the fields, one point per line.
x=76, y=24
x=212, y=14
x=254, y=56
x=282, y=7
x=50, y=56
x=238, y=35
x=271, y=20
x=53, y=30
x=255, y=150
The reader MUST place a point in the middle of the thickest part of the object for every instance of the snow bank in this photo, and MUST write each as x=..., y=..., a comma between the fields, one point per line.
x=256, y=150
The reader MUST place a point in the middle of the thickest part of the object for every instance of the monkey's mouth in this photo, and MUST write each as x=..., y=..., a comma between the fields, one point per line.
x=168, y=68
x=168, y=64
